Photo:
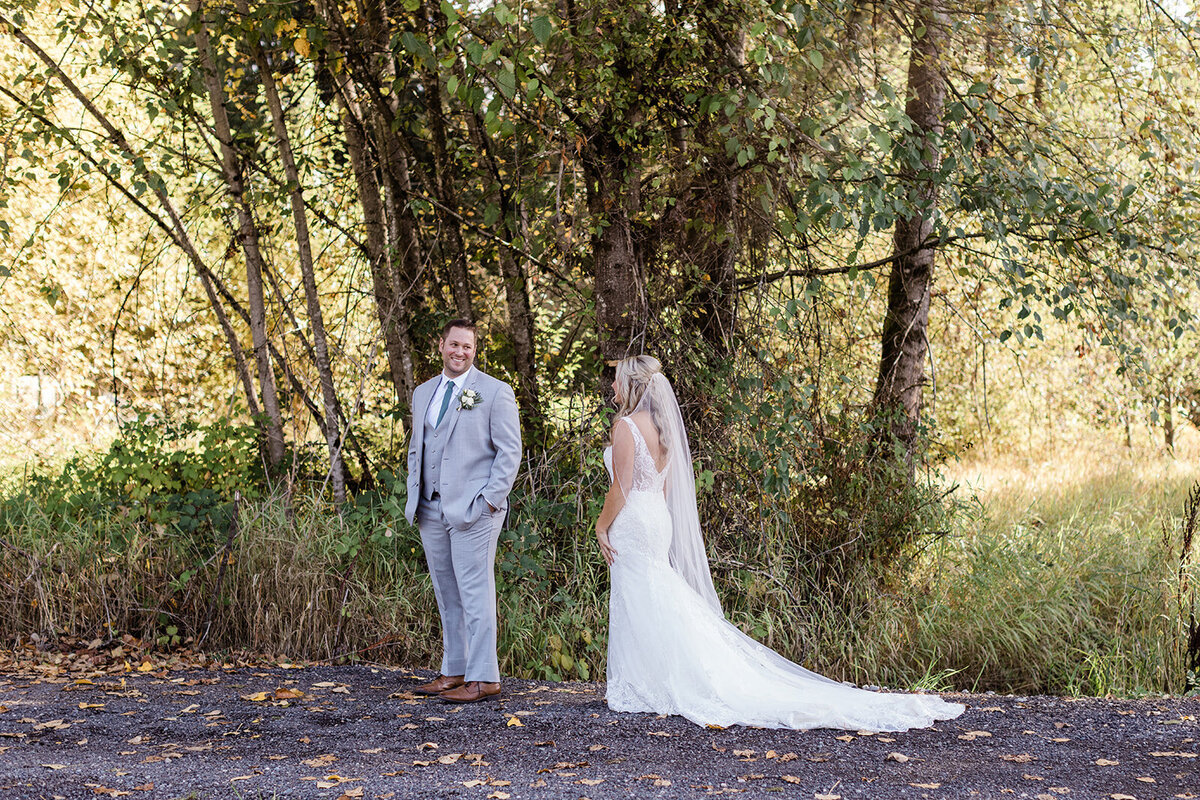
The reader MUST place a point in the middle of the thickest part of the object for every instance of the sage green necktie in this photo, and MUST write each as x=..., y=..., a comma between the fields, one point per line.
x=445, y=402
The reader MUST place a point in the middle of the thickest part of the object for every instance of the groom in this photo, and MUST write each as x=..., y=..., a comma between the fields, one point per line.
x=462, y=461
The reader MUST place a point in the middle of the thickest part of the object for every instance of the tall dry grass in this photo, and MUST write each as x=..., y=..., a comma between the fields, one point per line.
x=1056, y=578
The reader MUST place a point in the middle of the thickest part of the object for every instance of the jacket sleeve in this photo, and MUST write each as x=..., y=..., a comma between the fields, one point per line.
x=505, y=424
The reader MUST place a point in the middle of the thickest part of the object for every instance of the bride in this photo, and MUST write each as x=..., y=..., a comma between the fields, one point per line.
x=670, y=649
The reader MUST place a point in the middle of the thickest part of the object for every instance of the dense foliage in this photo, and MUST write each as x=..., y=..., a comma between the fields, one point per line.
x=850, y=229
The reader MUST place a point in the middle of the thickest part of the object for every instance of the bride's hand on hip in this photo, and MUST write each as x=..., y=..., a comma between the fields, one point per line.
x=605, y=548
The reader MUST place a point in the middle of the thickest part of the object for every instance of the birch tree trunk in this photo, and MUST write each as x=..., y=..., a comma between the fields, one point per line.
x=247, y=235
x=316, y=319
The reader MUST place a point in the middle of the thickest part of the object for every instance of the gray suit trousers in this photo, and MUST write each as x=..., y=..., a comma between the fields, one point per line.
x=462, y=565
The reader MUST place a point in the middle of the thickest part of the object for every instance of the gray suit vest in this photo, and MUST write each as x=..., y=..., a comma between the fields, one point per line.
x=431, y=457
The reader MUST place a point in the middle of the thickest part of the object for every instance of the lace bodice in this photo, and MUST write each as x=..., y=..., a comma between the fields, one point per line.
x=646, y=475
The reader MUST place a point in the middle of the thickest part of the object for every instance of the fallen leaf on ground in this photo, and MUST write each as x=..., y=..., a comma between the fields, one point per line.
x=1146, y=780
x=320, y=761
x=971, y=736
x=514, y=722
x=1023, y=758
x=790, y=779
x=54, y=724
x=590, y=781
x=1119, y=796
x=900, y=757
x=55, y=766
x=926, y=785
x=499, y=796
x=1172, y=753
x=351, y=794
x=1105, y=762
x=846, y=738
x=820, y=796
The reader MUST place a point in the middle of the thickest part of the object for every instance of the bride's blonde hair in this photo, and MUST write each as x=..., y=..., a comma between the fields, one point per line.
x=634, y=375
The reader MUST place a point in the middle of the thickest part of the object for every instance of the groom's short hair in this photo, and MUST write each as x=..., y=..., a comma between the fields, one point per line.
x=465, y=324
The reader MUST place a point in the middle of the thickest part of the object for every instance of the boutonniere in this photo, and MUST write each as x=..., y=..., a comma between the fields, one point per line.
x=469, y=399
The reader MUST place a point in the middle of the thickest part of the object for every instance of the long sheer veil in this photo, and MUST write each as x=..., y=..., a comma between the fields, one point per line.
x=687, y=553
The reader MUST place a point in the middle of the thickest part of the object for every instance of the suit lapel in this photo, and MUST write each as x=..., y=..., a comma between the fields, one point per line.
x=455, y=411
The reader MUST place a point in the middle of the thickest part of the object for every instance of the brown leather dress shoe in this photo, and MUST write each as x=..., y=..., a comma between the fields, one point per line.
x=471, y=692
x=439, y=684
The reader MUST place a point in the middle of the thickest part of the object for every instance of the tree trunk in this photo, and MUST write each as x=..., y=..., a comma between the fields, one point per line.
x=516, y=287
x=612, y=195
x=1169, y=418
x=904, y=341
x=446, y=208
x=393, y=245
x=247, y=236
x=316, y=319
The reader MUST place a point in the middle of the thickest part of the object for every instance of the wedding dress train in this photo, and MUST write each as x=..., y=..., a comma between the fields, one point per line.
x=671, y=650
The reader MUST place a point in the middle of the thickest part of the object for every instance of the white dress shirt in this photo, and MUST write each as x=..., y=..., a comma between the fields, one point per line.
x=436, y=404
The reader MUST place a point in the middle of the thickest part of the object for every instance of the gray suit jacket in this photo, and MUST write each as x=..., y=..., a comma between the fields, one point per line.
x=482, y=453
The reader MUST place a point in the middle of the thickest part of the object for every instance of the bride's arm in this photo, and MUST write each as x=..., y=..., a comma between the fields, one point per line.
x=614, y=501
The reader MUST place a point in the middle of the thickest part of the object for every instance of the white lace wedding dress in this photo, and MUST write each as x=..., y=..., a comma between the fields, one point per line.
x=671, y=652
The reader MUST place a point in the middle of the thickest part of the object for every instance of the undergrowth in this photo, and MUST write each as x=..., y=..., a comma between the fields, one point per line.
x=175, y=536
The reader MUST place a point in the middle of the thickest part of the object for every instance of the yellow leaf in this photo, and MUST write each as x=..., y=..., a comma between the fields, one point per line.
x=499, y=795
x=971, y=736
x=926, y=785
x=820, y=796
x=1023, y=758
x=590, y=781
x=1105, y=762
x=790, y=779
x=301, y=44
x=514, y=722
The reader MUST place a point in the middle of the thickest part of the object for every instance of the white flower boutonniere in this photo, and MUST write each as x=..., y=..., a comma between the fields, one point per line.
x=469, y=399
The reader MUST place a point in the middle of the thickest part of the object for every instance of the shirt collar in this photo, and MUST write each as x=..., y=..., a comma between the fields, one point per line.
x=460, y=381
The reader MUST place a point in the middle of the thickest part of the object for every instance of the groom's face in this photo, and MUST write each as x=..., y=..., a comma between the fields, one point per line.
x=458, y=351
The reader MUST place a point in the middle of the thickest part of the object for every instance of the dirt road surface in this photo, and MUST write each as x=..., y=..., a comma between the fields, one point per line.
x=357, y=732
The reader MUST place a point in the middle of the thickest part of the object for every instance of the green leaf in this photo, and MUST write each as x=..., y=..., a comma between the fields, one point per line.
x=542, y=29
x=507, y=82
x=817, y=59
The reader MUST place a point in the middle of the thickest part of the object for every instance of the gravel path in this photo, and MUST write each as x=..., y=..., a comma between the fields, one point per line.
x=356, y=732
